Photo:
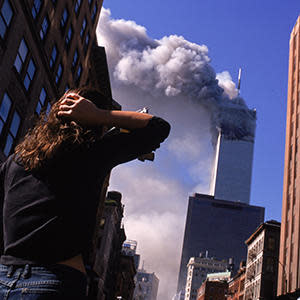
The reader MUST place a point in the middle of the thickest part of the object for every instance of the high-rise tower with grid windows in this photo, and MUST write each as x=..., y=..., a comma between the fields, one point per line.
x=289, y=255
x=46, y=47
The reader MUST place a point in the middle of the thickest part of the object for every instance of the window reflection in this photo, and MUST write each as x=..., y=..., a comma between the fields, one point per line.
x=36, y=8
x=21, y=56
x=4, y=110
x=45, y=27
x=29, y=74
x=6, y=14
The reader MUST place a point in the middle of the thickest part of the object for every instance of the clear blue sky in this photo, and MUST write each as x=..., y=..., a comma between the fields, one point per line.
x=252, y=34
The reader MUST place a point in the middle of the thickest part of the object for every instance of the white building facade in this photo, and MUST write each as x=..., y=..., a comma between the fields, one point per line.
x=262, y=262
x=198, y=268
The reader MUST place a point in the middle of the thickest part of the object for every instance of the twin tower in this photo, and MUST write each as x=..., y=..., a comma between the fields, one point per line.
x=221, y=222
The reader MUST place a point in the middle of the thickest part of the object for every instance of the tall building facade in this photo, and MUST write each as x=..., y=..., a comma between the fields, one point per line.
x=236, y=286
x=262, y=262
x=221, y=221
x=129, y=249
x=45, y=48
x=231, y=176
x=197, y=270
x=219, y=226
x=110, y=238
x=289, y=257
x=146, y=286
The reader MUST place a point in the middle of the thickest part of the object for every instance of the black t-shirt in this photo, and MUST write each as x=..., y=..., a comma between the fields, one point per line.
x=49, y=217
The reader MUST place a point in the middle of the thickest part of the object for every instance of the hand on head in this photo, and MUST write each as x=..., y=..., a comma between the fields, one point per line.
x=76, y=108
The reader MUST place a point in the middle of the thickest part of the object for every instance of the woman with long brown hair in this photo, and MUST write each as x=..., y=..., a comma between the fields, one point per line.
x=50, y=188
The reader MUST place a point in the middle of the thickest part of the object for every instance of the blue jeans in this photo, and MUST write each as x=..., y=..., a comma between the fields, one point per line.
x=41, y=283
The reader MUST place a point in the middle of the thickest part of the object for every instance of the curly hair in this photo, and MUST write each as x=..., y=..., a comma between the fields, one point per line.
x=52, y=136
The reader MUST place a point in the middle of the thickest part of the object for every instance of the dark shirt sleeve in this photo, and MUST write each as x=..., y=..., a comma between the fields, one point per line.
x=126, y=146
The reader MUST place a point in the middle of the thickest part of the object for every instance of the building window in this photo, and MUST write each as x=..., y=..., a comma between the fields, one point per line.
x=36, y=8
x=271, y=243
x=64, y=19
x=77, y=6
x=30, y=72
x=86, y=43
x=69, y=37
x=94, y=12
x=21, y=56
x=294, y=195
x=12, y=133
x=270, y=265
x=58, y=73
x=83, y=28
x=75, y=59
x=6, y=15
x=41, y=102
x=288, y=201
x=53, y=56
x=45, y=27
x=78, y=73
x=4, y=110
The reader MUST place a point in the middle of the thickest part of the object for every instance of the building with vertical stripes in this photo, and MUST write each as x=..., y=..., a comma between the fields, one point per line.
x=45, y=48
x=289, y=254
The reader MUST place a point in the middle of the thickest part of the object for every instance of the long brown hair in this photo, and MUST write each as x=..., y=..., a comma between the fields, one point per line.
x=53, y=136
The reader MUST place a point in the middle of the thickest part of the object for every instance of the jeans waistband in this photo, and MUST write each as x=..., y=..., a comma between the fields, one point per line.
x=27, y=270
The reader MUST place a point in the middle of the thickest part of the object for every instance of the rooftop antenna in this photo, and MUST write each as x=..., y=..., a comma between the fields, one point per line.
x=239, y=81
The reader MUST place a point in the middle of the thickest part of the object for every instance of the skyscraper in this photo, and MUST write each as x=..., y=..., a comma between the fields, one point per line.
x=231, y=176
x=219, y=226
x=221, y=222
x=289, y=255
x=45, y=48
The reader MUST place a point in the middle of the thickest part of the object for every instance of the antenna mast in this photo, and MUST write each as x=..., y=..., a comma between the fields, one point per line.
x=239, y=81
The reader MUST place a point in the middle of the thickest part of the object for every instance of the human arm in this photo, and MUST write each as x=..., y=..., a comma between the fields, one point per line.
x=145, y=132
x=126, y=146
x=83, y=111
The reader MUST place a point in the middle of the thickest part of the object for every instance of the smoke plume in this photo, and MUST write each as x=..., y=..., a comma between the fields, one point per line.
x=174, y=78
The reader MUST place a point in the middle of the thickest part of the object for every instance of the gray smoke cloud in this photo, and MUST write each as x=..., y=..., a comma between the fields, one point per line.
x=174, y=78
x=174, y=66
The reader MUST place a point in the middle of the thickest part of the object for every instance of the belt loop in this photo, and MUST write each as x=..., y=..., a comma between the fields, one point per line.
x=10, y=271
x=27, y=271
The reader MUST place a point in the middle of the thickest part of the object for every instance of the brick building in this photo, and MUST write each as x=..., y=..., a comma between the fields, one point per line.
x=212, y=290
x=236, y=286
x=289, y=271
